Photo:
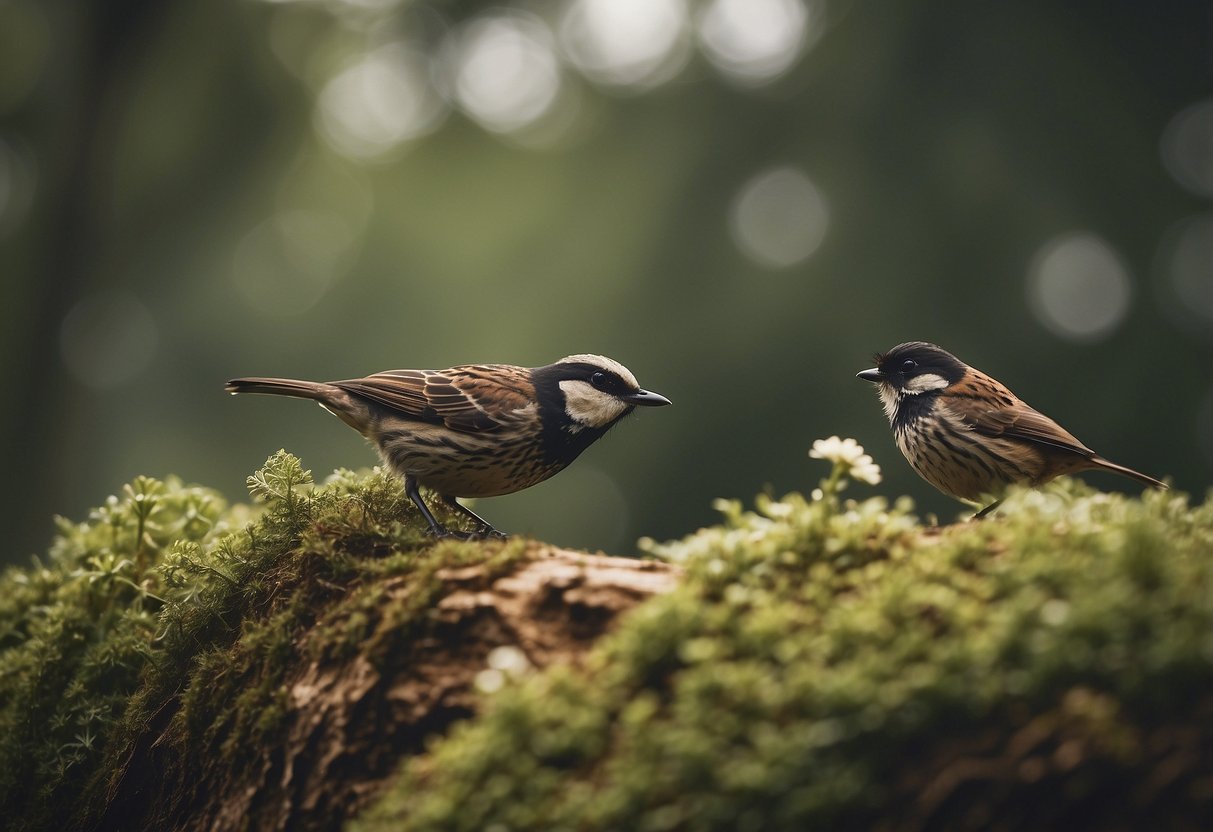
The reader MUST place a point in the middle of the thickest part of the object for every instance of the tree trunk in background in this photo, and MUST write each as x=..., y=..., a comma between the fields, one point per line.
x=88, y=72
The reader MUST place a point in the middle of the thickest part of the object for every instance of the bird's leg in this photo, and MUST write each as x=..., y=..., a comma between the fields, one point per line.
x=987, y=509
x=414, y=493
x=485, y=530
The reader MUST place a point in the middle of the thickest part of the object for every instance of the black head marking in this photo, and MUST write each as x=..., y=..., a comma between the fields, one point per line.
x=547, y=379
x=561, y=442
x=918, y=358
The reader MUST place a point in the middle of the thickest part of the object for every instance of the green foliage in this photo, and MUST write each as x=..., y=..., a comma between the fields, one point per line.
x=166, y=594
x=824, y=660
x=77, y=632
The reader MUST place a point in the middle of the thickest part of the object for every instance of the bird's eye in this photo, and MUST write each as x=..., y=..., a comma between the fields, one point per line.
x=599, y=380
x=908, y=364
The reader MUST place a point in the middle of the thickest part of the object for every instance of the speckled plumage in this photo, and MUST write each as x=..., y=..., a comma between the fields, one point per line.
x=967, y=434
x=476, y=430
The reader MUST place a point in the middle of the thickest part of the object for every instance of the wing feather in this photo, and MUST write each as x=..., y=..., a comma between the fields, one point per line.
x=987, y=406
x=474, y=398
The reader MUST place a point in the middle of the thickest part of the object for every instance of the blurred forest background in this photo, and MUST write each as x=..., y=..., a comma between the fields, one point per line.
x=741, y=200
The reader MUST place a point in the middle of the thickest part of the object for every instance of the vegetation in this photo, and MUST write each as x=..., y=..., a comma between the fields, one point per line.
x=167, y=601
x=824, y=661
x=831, y=664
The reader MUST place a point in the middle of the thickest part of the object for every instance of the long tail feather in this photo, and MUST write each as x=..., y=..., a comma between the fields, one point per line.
x=1128, y=472
x=355, y=411
x=282, y=387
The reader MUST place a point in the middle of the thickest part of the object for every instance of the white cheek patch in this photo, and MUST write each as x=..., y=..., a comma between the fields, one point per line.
x=590, y=407
x=925, y=383
x=888, y=400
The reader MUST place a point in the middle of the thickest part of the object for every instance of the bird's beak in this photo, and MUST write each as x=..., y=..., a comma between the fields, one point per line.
x=645, y=398
x=870, y=375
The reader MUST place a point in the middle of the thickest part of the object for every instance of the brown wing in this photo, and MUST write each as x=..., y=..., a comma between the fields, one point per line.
x=472, y=398
x=991, y=409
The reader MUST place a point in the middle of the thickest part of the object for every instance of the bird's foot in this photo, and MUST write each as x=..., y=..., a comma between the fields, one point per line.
x=987, y=510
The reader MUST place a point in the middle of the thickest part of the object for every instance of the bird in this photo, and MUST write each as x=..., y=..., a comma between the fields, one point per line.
x=968, y=435
x=476, y=430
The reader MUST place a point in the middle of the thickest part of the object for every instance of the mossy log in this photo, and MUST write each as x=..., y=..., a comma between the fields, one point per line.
x=174, y=663
x=347, y=719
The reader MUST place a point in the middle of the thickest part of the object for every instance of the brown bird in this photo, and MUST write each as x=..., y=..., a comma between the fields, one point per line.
x=967, y=434
x=476, y=430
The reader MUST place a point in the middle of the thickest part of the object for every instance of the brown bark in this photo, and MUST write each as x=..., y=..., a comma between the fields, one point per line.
x=351, y=722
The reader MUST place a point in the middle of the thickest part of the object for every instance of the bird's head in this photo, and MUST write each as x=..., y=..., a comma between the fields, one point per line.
x=912, y=369
x=594, y=391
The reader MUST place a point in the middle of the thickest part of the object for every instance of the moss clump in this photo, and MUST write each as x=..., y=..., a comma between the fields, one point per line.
x=826, y=662
x=831, y=664
x=168, y=610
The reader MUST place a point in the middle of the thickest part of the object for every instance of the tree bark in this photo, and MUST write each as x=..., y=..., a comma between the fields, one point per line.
x=351, y=722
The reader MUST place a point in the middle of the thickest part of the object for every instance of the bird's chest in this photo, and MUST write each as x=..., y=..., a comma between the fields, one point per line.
x=947, y=452
x=913, y=438
x=941, y=449
x=469, y=465
x=911, y=418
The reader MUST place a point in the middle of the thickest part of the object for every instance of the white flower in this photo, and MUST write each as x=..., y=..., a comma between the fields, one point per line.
x=846, y=451
x=865, y=470
x=848, y=454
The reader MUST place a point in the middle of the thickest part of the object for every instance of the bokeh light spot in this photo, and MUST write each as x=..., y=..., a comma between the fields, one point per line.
x=1079, y=287
x=108, y=339
x=380, y=102
x=378, y=6
x=755, y=41
x=779, y=217
x=372, y=5
x=1191, y=267
x=626, y=43
x=1187, y=148
x=505, y=72
x=286, y=264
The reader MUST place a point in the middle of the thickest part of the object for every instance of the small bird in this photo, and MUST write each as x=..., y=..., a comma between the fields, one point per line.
x=476, y=430
x=967, y=434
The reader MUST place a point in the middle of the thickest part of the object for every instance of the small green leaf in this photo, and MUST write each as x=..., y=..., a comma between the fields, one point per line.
x=276, y=481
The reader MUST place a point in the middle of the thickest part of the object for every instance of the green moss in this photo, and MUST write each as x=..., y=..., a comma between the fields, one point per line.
x=831, y=663
x=167, y=596
x=825, y=662
x=367, y=622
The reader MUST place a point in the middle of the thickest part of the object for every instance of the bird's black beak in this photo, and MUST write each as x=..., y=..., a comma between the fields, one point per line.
x=870, y=375
x=645, y=398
